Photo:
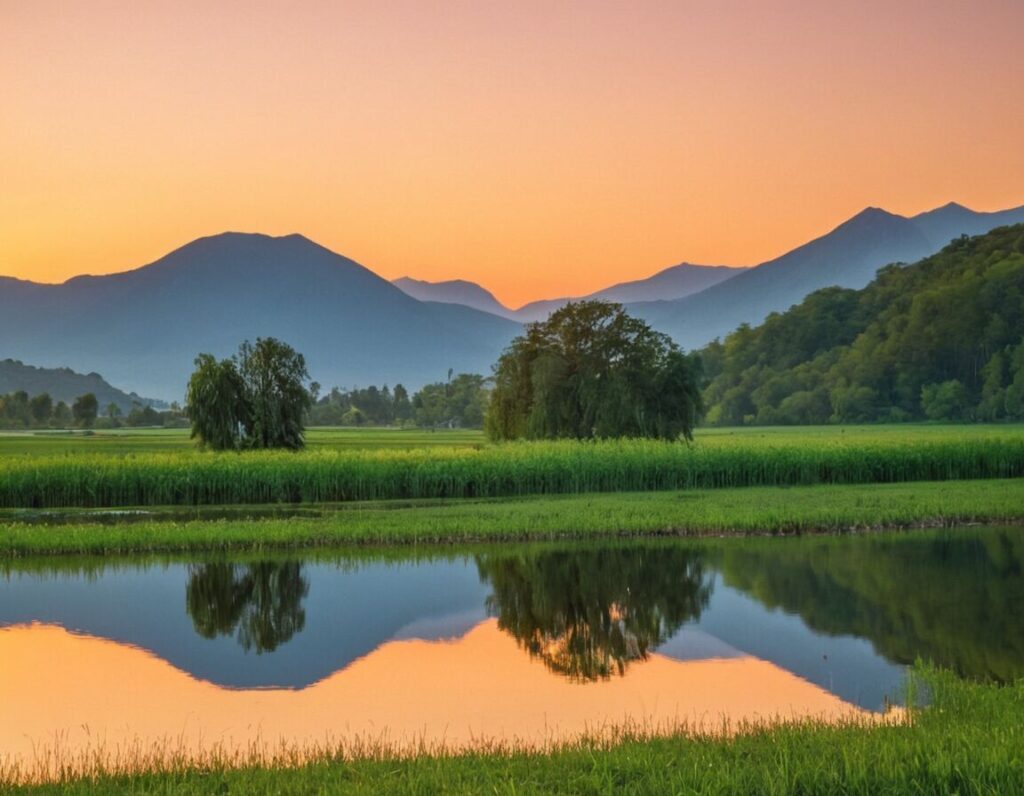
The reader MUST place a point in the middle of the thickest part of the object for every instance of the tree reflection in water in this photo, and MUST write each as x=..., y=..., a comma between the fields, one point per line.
x=259, y=604
x=951, y=597
x=588, y=612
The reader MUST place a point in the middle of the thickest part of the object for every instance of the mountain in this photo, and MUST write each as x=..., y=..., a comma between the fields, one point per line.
x=63, y=384
x=674, y=282
x=848, y=256
x=143, y=328
x=940, y=339
x=454, y=291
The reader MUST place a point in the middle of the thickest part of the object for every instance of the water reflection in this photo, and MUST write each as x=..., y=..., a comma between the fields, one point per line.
x=588, y=612
x=471, y=643
x=259, y=604
x=952, y=598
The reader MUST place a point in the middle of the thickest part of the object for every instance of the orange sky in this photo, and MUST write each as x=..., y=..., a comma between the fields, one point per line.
x=541, y=148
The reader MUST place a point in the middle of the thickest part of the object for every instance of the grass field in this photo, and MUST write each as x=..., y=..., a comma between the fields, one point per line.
x=120, y=442
x=967, y=741
x=698, y=512
x=124, y=441
x=366, y=470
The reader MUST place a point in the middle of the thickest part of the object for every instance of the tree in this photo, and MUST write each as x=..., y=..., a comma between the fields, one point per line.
x=402, y=404
x=113, y=411
x=62, y=415
x=946, y=401
x=216, y=404
x=256, y=399
x=274, y=376
x=591, y=370
x=85, y=410
x=41, y=407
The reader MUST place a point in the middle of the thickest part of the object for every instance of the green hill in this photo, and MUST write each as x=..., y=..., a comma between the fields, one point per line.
x=942, y=339
x=63, y=384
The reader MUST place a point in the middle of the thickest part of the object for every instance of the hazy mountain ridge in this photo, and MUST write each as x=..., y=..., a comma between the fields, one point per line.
x=673, y=282
x=454, y=291
x=848, y=256
x=64, y=384
x=143, y=328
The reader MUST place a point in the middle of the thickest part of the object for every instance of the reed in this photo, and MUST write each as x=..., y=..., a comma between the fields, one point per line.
x=537, y=468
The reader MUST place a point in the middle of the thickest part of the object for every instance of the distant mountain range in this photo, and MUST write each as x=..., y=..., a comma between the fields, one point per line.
x=848, y=256
x=695, y=304
x=674, y=282
x=64, y=384
x=142, y=329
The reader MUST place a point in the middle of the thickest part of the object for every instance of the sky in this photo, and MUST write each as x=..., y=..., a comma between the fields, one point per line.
x=539, y=148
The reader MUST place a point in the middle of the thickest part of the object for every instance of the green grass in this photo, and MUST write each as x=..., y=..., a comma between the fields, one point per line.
x=529, y=468
x=698, y=512
x=967, y=741
x=126, y=441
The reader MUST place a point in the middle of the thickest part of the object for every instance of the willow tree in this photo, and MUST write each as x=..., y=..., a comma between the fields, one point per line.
x=256, y=399
x=592, y=370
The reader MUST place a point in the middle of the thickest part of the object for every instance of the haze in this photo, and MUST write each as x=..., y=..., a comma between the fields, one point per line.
x=540, y=150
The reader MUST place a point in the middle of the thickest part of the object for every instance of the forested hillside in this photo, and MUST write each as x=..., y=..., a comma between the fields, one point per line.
x=942, y=339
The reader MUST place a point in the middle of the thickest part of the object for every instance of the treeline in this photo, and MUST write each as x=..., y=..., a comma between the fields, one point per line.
x=459, y=402
x=19, y=410
x=942, y=339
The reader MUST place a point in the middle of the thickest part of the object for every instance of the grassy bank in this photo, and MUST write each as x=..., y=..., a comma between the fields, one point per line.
x=538, y=468
x=968, y=741
x=748, y=510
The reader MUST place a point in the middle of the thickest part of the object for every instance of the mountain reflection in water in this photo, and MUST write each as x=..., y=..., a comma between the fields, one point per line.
x=535, y=642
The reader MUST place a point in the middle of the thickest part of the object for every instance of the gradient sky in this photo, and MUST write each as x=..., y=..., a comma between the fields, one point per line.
x=540, y=148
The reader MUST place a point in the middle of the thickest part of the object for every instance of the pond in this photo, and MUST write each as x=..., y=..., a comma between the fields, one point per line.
x=527, y=643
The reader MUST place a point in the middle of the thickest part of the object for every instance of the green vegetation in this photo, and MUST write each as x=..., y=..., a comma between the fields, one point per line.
x=968, y=741
x=128, y=441
x=458, y=402
x=256, y=399
x=511, y=469
x=750, y=510
x=951, y=598
x=592, y=371
x=941, y=339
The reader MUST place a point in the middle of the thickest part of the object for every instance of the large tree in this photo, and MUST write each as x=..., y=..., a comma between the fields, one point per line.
x=592, y=370
x=256, y=399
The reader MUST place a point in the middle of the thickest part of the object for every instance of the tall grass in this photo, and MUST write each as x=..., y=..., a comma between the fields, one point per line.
x=750, y=510
x=496, y=471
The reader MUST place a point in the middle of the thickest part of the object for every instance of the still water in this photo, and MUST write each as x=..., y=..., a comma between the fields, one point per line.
x=531, y=643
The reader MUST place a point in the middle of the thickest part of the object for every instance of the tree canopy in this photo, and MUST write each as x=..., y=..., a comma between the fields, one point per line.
x=942, y=339
x=591, y=370
x=256, y=399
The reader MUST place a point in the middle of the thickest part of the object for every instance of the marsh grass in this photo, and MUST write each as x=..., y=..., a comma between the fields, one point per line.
x=753, y=510
x=966, y=741
x=510, y=470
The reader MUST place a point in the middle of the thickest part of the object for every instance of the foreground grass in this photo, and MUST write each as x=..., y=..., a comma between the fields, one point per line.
x=537, y=468
x=967, y=741
x=707, y=512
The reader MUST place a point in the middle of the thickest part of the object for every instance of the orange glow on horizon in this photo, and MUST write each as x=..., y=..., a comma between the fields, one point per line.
x=90, y=692
x=540, y=150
